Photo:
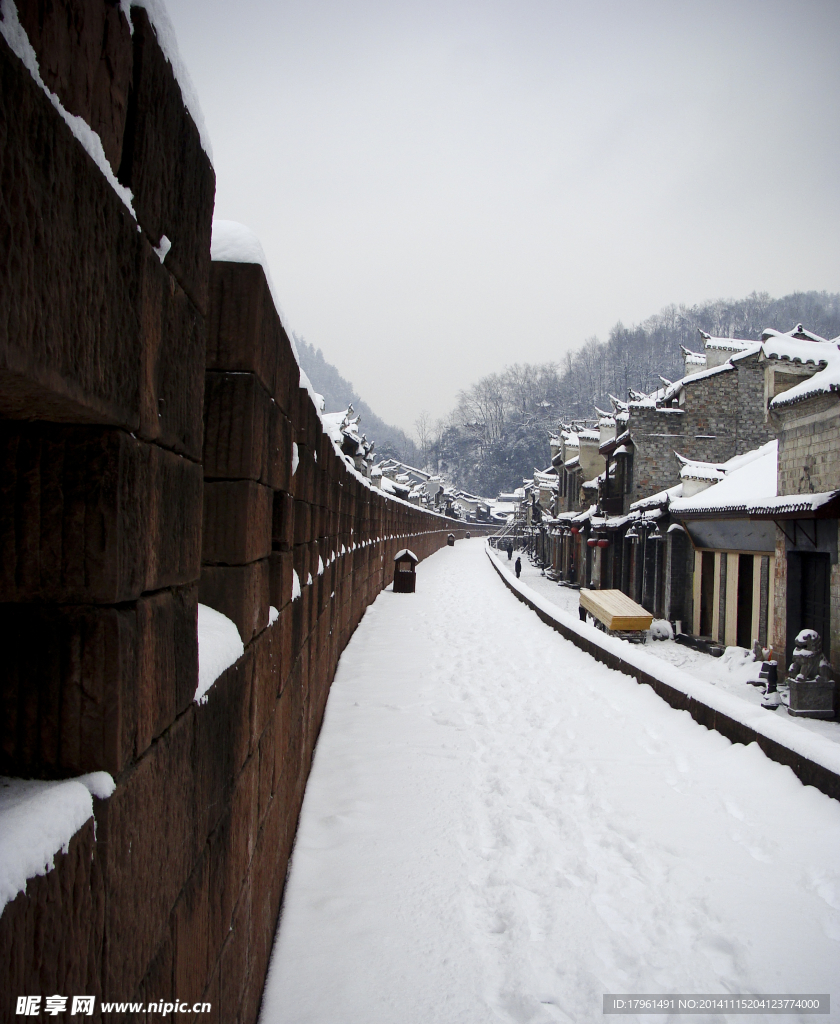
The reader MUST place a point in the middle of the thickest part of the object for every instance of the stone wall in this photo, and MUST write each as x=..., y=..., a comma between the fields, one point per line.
x=809, y=463
x=720, y=415
x=149, y=412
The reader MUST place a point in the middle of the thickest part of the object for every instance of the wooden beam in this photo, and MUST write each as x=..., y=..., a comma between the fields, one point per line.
x=730, y=629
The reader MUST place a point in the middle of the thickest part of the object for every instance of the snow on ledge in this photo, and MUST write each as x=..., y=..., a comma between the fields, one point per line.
x=219, y=646
x=15, y=35
x=765, y=723
x=165, y=32
x=37, y=820
x=232, y=242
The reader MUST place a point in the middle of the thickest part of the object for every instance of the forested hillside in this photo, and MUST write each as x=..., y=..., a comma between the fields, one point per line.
x=499, y=430
x=339, y=393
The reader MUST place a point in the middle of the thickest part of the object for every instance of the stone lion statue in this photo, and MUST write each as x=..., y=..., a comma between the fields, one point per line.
x=809, y=662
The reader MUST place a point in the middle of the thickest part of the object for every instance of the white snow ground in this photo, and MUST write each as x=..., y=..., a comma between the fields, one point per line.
x=729, y=673
x=498, y=828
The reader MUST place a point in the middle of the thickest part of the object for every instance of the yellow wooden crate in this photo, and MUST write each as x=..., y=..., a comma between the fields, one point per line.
x=614, y=609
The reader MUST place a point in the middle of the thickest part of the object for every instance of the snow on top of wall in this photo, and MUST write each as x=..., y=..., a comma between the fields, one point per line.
x=37, y=820
x=15, y=35
x=165, y=32
x=232, y=242
x=219, y=646
x=750, y=479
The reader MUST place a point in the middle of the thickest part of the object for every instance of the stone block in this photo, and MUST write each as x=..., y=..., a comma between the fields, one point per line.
x=244, y=810
x=146, y=838
x=84, y=56
x=221, y=742
x=283, y=522
x=303, y=522
x=287, y=652
x=191, y=934
x=69, y=689
x=239, y=591
x=167, y=659
x=268, y=758
x=93, y=515
x=234, y=959
x=237, y=522
x=236, y=426
x=244, y=331
x=88, y=688
x=51, y=935
x=267, y=878
x=164, y=165
x=70, y=339
x=266, y=687
x=278, y=469
x=280, y=581
x=158, y=984
x=287, y=378
x=174, y=348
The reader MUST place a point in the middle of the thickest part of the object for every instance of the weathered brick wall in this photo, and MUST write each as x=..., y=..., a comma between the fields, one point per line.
x=809, y=446
x=148, y=416
x=753, y=428
x=656, y=434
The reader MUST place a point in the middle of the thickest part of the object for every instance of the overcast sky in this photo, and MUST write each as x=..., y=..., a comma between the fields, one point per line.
x=444, y=188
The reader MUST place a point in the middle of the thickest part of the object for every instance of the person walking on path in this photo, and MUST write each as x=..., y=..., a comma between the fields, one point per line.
x=517, y=567
x=510, y=551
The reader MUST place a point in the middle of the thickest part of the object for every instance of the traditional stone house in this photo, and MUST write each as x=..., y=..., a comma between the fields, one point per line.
x=802, y=389
x=733, y=555
x=715, y=412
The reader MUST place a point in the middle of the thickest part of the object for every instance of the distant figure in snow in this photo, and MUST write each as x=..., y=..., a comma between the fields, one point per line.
x=517, y=567
x=510, y=551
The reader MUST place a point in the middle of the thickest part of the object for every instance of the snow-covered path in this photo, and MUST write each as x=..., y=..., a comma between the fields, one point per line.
x=498, y=828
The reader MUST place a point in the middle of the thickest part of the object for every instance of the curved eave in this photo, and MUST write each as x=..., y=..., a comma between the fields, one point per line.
x=827, y=508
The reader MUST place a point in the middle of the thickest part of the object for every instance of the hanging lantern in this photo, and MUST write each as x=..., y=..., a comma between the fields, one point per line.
x=603, y=542
x=591, y=542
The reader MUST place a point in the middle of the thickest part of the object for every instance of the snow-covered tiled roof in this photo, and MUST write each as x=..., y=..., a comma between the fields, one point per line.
x=798, y=332
x=726, y=344
x=795, y=350
x=701, y=471
x=748, y=479
x=659, y=500
x=572, y=463
x=824, y=355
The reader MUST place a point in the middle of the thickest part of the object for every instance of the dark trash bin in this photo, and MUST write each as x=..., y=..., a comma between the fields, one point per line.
x=450, y=540
x=404, y=572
